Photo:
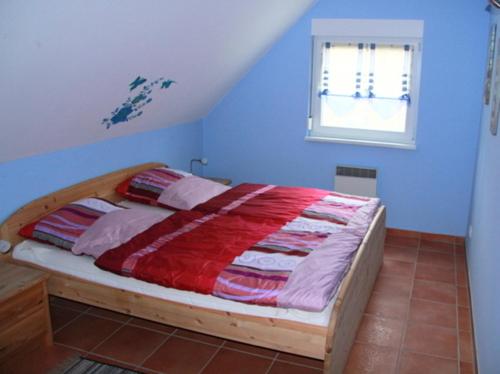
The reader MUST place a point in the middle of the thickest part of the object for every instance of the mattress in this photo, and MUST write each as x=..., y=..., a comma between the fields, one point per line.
x=83, y=267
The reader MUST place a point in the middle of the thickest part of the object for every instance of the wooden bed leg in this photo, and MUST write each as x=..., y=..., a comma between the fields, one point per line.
x=349, y=311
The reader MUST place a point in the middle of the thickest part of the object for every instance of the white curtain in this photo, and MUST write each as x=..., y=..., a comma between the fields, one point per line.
x=366, y=70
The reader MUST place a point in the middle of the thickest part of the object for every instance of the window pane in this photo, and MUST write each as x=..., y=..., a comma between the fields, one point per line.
x=389, y=71
x=340, y=61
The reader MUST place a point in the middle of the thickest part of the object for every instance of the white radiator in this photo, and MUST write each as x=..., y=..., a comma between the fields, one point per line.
x=356, y=181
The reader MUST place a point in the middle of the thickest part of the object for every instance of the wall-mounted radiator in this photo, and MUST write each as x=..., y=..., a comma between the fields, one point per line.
x=356, y=181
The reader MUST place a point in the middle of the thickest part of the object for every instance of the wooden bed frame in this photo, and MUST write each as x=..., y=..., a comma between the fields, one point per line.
x=331, y=344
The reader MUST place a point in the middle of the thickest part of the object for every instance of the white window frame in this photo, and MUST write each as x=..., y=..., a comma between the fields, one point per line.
x=365, y=31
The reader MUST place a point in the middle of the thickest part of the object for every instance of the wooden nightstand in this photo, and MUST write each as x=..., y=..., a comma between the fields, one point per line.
x=225, y=181
x=24, y=310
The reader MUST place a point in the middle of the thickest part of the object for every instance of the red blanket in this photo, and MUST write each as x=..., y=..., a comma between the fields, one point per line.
x=189, y=250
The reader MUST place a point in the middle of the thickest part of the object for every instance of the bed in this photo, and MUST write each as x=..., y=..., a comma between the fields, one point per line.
x=330, y=342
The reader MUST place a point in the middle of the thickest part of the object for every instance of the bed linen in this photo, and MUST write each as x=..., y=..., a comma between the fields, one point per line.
x=115, y=228
x=190, y=191
x=169, y=188
x=67, y=224
x=52, y=258
x=261, y=244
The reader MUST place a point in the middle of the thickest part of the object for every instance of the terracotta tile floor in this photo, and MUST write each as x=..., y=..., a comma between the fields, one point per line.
x=417, y=321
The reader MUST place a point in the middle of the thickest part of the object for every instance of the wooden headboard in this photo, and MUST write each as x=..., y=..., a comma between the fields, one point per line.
x=102, y=186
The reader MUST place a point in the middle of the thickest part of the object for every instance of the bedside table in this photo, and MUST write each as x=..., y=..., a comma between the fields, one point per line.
x=24, y=310
x=225, y=181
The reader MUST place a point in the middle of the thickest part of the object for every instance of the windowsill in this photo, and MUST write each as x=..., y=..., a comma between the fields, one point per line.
x=368, y=143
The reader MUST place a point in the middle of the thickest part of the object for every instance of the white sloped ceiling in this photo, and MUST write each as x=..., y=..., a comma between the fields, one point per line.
x=66, y=66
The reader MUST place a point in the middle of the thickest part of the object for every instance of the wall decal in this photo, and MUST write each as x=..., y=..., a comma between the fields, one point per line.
x=138, y=81
x=132, y=107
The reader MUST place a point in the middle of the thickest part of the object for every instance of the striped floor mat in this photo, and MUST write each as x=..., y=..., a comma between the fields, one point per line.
x=86, y=366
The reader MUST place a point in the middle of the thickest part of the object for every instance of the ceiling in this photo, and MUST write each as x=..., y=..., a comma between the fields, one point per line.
x=67, y=65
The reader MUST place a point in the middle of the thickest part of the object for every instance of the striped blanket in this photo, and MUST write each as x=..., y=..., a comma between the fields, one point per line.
x=261, y=244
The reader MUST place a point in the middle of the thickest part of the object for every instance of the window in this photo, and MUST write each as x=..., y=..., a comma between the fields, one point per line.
x=365, y=81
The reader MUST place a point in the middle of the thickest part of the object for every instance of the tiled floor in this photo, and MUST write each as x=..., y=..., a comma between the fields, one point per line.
x=418, y=318
x=417, y=321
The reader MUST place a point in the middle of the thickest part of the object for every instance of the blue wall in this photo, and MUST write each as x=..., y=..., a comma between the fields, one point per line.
x=25, y=179
x=256, y=133
x=483, y=248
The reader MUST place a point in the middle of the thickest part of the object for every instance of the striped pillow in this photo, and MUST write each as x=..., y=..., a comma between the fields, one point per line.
x=64, y=226
x=147, y=186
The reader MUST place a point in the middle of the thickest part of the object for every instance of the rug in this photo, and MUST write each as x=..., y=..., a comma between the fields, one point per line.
x=82, y=365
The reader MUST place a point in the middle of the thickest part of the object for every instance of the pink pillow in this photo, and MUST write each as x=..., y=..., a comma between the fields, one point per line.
x=114, y=229
x=190, y=191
